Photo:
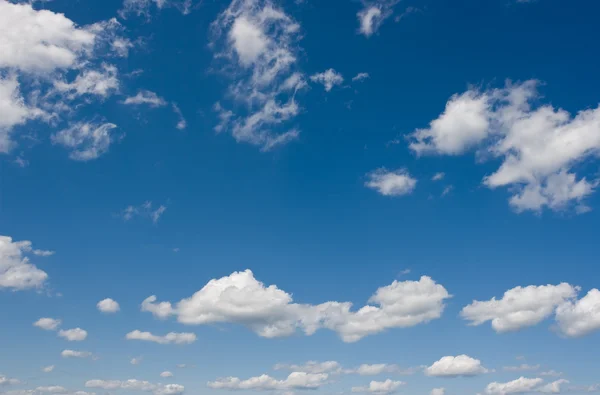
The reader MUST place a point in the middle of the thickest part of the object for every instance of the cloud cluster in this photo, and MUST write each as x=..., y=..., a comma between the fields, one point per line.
x=258, y=44
x=296, y=380
x=539, y=146
x=16, y=272
x=271, y=312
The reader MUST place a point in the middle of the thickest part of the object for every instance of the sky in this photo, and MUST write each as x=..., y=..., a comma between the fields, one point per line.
x=296, y=196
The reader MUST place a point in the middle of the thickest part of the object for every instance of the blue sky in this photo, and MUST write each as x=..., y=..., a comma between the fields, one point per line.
x=333, y=197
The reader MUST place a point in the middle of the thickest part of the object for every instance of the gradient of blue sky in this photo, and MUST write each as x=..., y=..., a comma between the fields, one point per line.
x=338, y=208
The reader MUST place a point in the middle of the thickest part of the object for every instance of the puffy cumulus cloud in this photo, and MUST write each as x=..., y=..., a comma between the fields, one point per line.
x=328, y=78
x=539, y=146
x=145, y=209
x=86, y=140
x=8, y=381
x=391, y=183
x=40, y=41
x=108, y=306
x=438, y=391
x=258, y=44
x=461, y=365
x=380, y=387
x=295, y=381
x=579, y=317
x=73, y=335
x=169, y=338
x=49, y=324
x=524, y=385
x=520, y=307
x=75, y=354
x=270, y=311
x=312, y=367
x=101, y=83
x=372, y=15
x=136, y=385
x=146, y=97
x=16, y=273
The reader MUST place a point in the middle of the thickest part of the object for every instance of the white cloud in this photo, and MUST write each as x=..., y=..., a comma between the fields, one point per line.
x=49, y=324
x=8, y=381
x=296, y=380
x=146, y=97
x=75, y=354
x=48, y=369
x=136, y=385
x=13, y=110
x=144, y=210
x=372, y=15
x=553, y=388
x=312, y=367
x=39, y=41
x=52, y=389
x=108, y=305
x=391, y=183
x=166, y=373
x=86, y=140
x=521, y=368
x=577, y=318
x=73, y=335
x=379, y=368
x=258, y=43
x=461, y=365
x=361, y=77
x=142, y=7
x=524, y=385
x=270, y=311
x=380, y=387
x=438, y=176
x=539, y=146
x=102, y=83
x=16, y=272
x=520, y=307
x=181, y=123
x=136, y=361
x=169, y=338
x=328, y=78
x=438, y=391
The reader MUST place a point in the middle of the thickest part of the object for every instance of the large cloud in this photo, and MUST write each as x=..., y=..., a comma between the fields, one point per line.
x=270, y=311
x=579, y=317
x=258, y=43
x=16, y=272
x=539, y=146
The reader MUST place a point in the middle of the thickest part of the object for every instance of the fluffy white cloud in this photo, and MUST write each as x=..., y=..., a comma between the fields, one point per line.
x=16, y=272
x=75, y=354
x=380, y=387
x=553, y=388
x=539, y=146
x=86, y=140
x=372, y=15
x=169, y=338
x=48, y=369
x=270, y=311
x=328, y=78
x=102, y=83
x=8, y=381
x=146, y=97
x=108, y=305
x=136, y=385
x=361, y=77
x=520, y=307
x=13, y=110
x=296, y=380
x=52, y=389
x=579, y=317
x=522, y=385
x=39, y=41
x=73, y=335
x=166, y=373
x=49, y=324
x=312, y=367
x=258, y=42
x=391, y=183
x=461, y=365
x=438, y=391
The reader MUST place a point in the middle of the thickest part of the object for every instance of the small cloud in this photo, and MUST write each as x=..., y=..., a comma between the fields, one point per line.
x=391, y=183
x=136, y=361
x=48, y=369
x=182, y=123
x=438, y=176
x=329, y=78
x=146, y=209
x=447, y=190
x=361, y=77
